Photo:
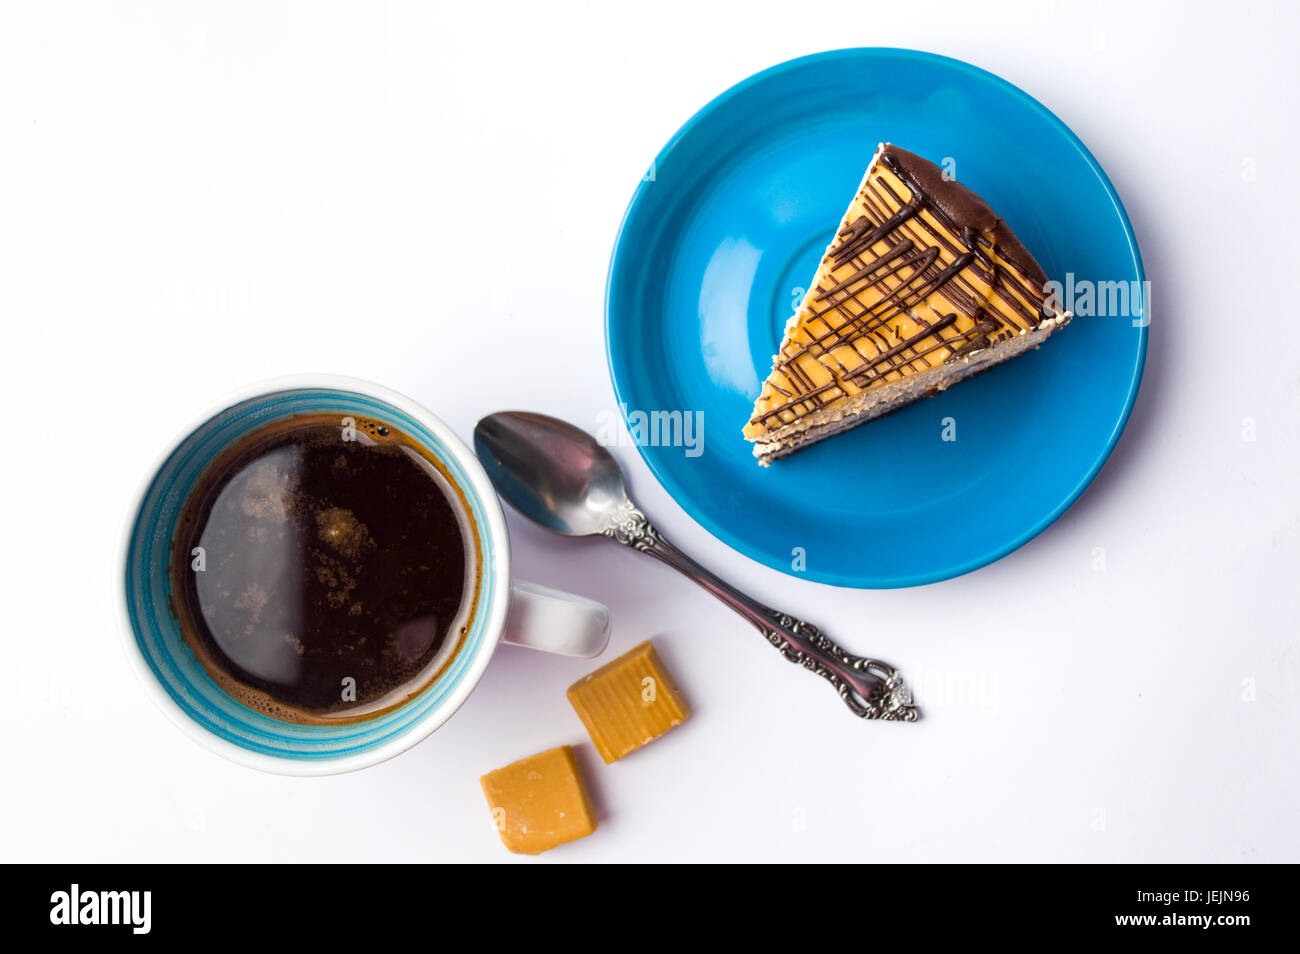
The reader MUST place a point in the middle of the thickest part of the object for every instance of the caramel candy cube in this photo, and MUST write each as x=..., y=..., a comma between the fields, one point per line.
x=628, y=702
x=540, y=802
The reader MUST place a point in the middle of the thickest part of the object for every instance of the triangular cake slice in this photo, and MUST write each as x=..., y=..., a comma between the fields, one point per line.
x=922, y=287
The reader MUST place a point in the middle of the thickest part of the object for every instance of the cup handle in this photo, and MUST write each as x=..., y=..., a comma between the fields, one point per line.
x=555, y=622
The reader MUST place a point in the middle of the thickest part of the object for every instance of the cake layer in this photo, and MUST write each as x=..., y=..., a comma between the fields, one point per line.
x=877, y=402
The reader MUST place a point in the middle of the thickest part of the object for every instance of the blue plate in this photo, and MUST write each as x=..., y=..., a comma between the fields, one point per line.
x=727, y=228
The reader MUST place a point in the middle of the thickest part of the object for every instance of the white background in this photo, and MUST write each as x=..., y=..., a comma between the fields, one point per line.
x=190, y=201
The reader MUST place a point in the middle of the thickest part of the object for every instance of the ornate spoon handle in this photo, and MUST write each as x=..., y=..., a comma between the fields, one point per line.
x=871, y=689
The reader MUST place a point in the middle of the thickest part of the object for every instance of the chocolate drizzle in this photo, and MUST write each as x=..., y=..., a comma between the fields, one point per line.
x=942, y=242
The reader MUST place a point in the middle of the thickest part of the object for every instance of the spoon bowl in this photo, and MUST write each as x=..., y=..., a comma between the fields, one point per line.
x=553, y=473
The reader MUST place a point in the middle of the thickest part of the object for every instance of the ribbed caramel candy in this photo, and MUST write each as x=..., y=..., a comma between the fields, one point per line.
x=540, y=802
x=628, y=702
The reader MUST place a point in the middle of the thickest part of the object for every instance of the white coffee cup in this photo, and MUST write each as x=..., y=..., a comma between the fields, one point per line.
x=507, y=610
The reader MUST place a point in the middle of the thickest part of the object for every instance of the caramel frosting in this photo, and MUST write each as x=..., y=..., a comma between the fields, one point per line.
x=922, y=274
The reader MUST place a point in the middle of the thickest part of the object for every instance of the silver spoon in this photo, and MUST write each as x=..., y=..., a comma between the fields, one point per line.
x=559, y=476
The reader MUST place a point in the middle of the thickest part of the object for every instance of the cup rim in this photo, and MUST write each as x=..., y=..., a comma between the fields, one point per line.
x=427, y=724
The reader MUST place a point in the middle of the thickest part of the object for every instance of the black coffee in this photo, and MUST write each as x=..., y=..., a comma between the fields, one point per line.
x=324, y=569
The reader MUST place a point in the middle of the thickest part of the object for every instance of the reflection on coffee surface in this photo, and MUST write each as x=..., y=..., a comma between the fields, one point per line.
x=325, y=568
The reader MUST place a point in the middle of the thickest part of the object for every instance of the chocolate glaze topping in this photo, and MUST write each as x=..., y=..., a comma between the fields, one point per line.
x=963, y=207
